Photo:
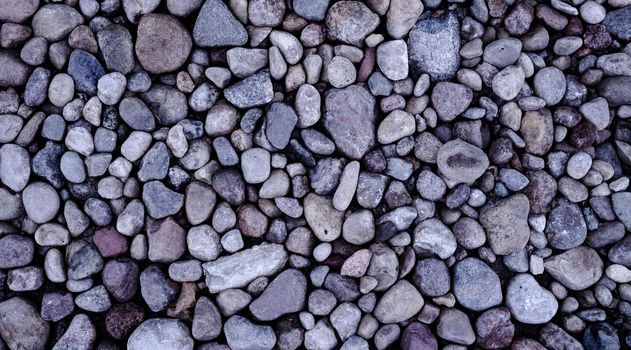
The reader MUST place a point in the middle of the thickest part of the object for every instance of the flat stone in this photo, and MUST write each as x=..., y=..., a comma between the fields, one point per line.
x=352, y=129
x=168, y=104
x=166, y=240
x=241, y=268
x=577, y=268
x=280, y=121
x=286, y=294
x=529, y=302
x=80, y=334
x=454, y=326
x=461, y=162
x=206, y=321
x=216, y=26
x=17, y=11
x=15, y=168
x=162, y=43
x=450, y=100
x=136, y=114
x=401, y=17
x=506, y=224
x=503, y=52
x=41, y=202
x=550, y=84
x=157, y=289
x=229, y=185
x=392, y=58
x=434, y=45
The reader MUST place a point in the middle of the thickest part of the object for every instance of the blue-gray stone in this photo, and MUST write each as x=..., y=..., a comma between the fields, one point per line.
x=86, y=70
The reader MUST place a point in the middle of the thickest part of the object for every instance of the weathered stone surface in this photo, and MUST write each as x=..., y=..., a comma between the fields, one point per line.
x=284, y=295
x=434, y=45
x=506, y=224
x=577, y=268
x=349, y=117
x=21, y=326
x=241, y=268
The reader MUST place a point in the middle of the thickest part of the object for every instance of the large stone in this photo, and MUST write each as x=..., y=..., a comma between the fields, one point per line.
x=349, y=118
x=284, y=295
x=241, y=334
x=617, y=23
x=86, y=70
x=216, y=26
x=21, y=326
x=350, y=22
x=399, y=303
x=162, y=43
x=577, y=269
x=279, y=123
x=616, y=90
x=167, y=103
x=433, y=236
x=15, y=167
x=528, y=301
x=161, y=201
x=117, y=48
x=476, y=286
x=17, y=11
x=450, y=100
x=241, y=268
x=54, y=22
x=506, y=224
x=13, y=72
x=434, y=46
x=161, y=334
x=460, y=161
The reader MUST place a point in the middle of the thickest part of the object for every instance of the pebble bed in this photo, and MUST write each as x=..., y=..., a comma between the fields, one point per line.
x=315, y=174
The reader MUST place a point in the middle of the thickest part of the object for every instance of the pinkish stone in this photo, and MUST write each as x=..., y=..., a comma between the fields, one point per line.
x=109, y=242
x=167, y=241
x=418, y=336
x=494, y=329
x=357, y=264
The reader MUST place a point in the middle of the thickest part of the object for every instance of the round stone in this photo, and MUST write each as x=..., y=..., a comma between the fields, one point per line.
x=163, y=43
x=41, y=202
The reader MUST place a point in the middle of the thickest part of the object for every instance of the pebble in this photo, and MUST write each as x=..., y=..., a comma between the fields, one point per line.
x=41, y=202
x=352, y=129
x=160, y=333
x=216, y=26
x=576, y=269
x=529, y=302
x=21, y=325
x=476, y=285
x=507, y=214
x=15, y=169
x=350, y=22
x=550, y=84
x=460, y=161
x=242, y=334
x=392, y=59
x=434, y=45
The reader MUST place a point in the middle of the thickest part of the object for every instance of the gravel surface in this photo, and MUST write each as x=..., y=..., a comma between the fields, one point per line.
x=315, y=174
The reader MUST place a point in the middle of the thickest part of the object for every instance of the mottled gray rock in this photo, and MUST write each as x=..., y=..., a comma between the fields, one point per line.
x=566, y=227
x=13, y=72
x=160, y=334
x=162, y=43
x=506, y=224
x=349, y=118
x=54, y=22
x=80, y=335
x=577, y=268
x=280, y=121
x=216, y=26
x=242, y=334
x=117, y=48
x=461, y=162
x=434, y=45
x=284, y=295
x=322, y=217
x=157, y=289
x=241, y=268
x=21, y=326
x=206, y=321
x=399, y=303
x=255, y=90
x=15, y=168
x=160, y=201
x=476, y=285
x=350, y=22
x=529, y=302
